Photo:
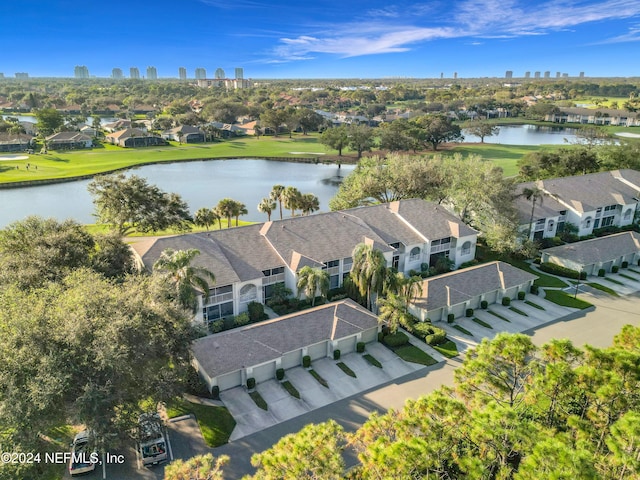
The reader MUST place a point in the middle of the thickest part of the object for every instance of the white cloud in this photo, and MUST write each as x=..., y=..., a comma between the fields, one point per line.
x=632, y=36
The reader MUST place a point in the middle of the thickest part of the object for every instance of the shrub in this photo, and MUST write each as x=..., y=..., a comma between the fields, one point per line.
x=216, y=326
x=639, y=262
x=241, y=319
x=422, y=329
x=336, y=354
x=439, y=336
x=468, y=264
x=251, y=383
x=468, y=312
x=396, y=340
x=380, y=336
x=550, y=242
x=337, y=294
x=255, y=311
x=615, y=269
x=534, y=289
x=450, y=318
x=414, y=273
x=306, y=361
x=195, y=385
x=559, y=270
x=601, y=272
x=484, y=304
x=625, y=264
x=583, y=275
x=360, y=347
x=424, y=267
x=506, y=301
x=215, y=392
x=521, y=295
x=280, y=373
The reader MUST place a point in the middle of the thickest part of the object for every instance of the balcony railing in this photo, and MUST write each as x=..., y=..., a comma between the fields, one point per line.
x=440, y=248
x=223, y=297
x=277, y=278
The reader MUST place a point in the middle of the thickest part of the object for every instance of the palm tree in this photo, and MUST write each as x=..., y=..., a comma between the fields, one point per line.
x=239, y=209
x=204, y=217
x=276, y=195
x=394, y=312
x=185, y=277
x=291, y=199
x=410, y=288
x=226, y=209
x=369, y=271
x=218, y=216
x=267, y=205
x=309, y=203
x=311, y=280
x=535, y=194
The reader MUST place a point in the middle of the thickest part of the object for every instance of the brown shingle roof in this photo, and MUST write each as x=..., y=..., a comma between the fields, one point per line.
x=259, y=343
x=596, y=250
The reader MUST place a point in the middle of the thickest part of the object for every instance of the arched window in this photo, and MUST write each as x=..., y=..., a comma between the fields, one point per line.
x=248, y=293
x=627, y=214
x=587, y=222
x=414, y=254
x=550, y=226
x=466, y=248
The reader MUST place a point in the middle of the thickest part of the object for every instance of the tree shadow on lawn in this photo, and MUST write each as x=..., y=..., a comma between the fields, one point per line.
x=56, y=159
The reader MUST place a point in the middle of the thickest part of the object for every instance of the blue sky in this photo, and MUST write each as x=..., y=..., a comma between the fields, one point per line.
x=323, y=38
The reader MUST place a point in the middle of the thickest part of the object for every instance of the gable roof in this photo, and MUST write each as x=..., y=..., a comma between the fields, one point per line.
x=462, y=285
x=68, y=137
x=254, y=344
x=544, y=208
x=127, y=133
x=596, y=250
x=183, y=129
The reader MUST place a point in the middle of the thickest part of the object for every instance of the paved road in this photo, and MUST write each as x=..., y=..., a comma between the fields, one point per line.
x=596, y=327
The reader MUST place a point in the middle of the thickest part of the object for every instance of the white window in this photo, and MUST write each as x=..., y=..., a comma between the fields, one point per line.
x=627, y=214
x=550, y=226
x=414, y=255
x=587, y=222
x=466, y=248
x=248, y=293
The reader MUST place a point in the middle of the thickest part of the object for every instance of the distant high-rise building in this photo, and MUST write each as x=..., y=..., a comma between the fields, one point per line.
x=182, y=73
x=557, y=74
x=239, y=73
x=536, y=75
x=201, y=73
x=152, y=73
x=1, y=75
x=455, y=75
x=81, y=71
x=219, y=73
x=547, y=74
x=565, y=75
x=22, y=75
x=441, y=75
x=527, y=74
x=581, y=74
x=134, y=72
x=508, y=74
x=117, y=74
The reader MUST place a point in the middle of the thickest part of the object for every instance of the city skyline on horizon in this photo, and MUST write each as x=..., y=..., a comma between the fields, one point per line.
x=330, y=39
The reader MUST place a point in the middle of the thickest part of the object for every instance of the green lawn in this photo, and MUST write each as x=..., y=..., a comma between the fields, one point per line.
x=534, y=305
x=345, y=368
x=517, y=310
x=411, y=353
x=505, y=156
x=293, y=391
x=608, y=290
x=216, y=423
x=481, y=322
x=623, y=275
x=561, y=298
x=617, y=282
x=448, y=349
x=543, y=280
x=460, y=328
x=496, y=314
x=258, y=400
x=372, y=360
x=319, y=378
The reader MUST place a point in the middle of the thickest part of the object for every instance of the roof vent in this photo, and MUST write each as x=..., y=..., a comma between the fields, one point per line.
x=216, y=345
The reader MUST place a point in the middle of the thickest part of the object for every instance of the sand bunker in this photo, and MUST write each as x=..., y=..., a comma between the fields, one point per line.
x=13, y=157
x=628, y=135
x=309, y=153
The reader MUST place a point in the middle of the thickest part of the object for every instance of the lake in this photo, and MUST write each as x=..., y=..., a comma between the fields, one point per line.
x=528, y=135
x=200, y=183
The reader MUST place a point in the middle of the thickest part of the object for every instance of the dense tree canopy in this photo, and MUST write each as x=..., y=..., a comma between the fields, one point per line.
x=128, y=203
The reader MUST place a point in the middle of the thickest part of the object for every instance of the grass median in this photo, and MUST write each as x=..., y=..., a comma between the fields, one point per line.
x=216, y=423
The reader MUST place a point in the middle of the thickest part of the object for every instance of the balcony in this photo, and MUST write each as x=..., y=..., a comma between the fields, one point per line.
x=224, y=297
x=440, y=248
x=277, y=278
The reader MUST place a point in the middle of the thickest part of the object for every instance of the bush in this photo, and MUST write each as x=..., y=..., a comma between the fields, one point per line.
x=521, y=295
x=251, y=383
x=337, y=294
x=422, y=329
x=380, y=336
x=255, y=311
x=506, y=301
x=625, y=264
x=216, y=326
x=215, y=392
x=583, y=275
x=551, y=242
x=415, y=273
x=195, y=385
x=559, y=270
x=280, y=373
x=306, y=361
x=450, y=318
x=468, y=312
x=534, y=289
x=468, y=264
x=484, y=304
x=601, y=272
x=424, y=267
x=360, y=347
x=396, y=340
x=439, y=336
x=336, y=354
x=241, y=319
x=615, y=269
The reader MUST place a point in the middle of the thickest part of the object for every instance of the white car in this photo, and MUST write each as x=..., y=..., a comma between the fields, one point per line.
x=152, y=445
x=84, y=456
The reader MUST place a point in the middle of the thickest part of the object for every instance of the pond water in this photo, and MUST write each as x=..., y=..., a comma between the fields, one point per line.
x=528, y=135
x=32, y=119
x=200, y=183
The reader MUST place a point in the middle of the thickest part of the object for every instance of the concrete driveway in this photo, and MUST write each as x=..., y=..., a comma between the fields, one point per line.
x=625, y=282
x=282, y=406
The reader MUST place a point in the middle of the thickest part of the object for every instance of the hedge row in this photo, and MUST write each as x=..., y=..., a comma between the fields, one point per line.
x=562, y=271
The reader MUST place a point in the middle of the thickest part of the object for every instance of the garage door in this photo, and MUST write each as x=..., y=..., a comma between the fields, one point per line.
x=264, y=372
x=370, y=335
x=474, y=302
x=292, y=359
x=607, y=266
x=511, y=292
x=347, y=345
x=458, y=310
x=491, y=297
x=319, y=350
x=230, y=380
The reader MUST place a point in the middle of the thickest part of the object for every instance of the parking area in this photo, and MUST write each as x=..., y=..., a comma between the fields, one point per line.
x=625, y=282
x=283, y=406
